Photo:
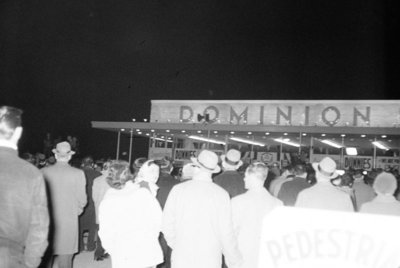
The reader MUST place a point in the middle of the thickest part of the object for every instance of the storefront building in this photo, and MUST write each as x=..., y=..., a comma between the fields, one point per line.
x=355, y=133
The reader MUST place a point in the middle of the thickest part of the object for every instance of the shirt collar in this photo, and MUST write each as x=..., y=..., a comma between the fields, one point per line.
x=8, y=144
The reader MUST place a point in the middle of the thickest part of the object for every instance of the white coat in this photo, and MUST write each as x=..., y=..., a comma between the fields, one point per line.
x=382, y=204
x=197, y=225
x=323, y=195
x=248, y=211
x=130, y=223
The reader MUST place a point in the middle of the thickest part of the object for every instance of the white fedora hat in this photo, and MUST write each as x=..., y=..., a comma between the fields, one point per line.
x=326, y=168
x=232, y=158
x=63, y=149
x=207, y=160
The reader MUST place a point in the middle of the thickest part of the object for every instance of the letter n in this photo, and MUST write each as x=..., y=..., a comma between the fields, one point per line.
x=280, y=113
x=357, y=114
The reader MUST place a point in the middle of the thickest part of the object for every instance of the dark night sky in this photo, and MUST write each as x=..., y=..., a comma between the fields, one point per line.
x=66, y=63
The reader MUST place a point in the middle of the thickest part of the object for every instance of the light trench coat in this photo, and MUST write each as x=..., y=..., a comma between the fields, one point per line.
x=248, y=211
x=130, y=223
x=323, y=195
x=382, y=204
x=67, y=199
x=197, y=225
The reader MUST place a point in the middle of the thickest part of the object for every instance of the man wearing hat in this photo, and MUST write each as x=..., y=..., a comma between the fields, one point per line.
x=363, y=192
x=67, y=195
x=323, y=195
x=197, y=221
x=24, y=216
x=230, y=179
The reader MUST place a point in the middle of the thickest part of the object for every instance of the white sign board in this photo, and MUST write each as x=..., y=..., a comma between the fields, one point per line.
x=310, y=238
x=358, y=162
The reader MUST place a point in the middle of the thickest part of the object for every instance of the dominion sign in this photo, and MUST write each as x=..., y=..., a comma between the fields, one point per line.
x=366, y=113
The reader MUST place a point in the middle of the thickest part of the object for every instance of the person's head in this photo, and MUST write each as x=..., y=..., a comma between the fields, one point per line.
x=300, y=170
x=118, y=174
x=345, y=180
x=148, y=172
x=137, y=164
x=106, y=167
x=358, y=174
x=29, y=157
x=231, y=161
x=275, y=169
x=385, y=184
x=10, y=124
x=255, y=175
x=188, y=171
x=87, y=162
x=325, y=170
x=63, y=152
x=165, y=165
x=206, y=163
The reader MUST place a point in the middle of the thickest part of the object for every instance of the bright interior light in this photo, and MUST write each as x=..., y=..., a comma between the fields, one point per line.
x=206, y=140
x=288, y=142
x=332, y=143
x=247, y=141
x=380, y=145
x=159, y=139
x=351, y=151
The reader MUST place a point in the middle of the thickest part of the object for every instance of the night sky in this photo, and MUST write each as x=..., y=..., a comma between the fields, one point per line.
x=67, y=63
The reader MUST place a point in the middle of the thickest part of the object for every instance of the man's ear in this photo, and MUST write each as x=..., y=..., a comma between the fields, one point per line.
x=16, y=135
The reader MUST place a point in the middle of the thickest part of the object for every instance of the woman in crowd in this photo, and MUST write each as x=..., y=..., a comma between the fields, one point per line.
x=130, y=217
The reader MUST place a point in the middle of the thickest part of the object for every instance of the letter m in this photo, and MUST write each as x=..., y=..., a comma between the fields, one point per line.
x=234, y=115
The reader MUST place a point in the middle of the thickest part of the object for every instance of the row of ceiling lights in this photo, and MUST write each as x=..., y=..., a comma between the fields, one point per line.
x=250, y=133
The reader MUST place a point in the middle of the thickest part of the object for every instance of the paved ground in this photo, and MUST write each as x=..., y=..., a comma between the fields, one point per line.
x=85, y=260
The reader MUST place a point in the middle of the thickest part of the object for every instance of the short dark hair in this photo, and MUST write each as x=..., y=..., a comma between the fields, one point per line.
x=10, y=119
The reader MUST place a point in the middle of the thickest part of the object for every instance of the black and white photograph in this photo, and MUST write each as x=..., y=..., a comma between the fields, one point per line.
x=199, y=134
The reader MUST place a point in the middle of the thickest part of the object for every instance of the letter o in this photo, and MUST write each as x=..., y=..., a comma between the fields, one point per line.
x=330, y=109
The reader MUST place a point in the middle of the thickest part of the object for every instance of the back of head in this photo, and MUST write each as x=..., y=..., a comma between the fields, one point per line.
x=87, y=162
x=149, y=172
x=299, y=169
x=385, y=184
x=258, y=169
x=10, y=120
x=118, y=174
x=165, y=164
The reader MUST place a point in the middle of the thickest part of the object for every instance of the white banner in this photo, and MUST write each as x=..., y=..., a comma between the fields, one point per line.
x=310, y=238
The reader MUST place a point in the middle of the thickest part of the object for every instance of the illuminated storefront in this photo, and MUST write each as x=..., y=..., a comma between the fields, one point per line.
x=359, y=134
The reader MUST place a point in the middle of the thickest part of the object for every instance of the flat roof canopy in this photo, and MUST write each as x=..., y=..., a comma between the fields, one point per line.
x=353, y=136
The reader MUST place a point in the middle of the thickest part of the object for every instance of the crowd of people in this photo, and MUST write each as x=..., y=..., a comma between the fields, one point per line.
x=209, y=215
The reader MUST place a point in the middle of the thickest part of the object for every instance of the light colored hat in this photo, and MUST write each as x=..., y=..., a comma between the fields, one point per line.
x=385, y=183
x=188, y=171
x=232, y=158
x=325, y=169
x=207, y=160
x=63, y=149
x=149, y=171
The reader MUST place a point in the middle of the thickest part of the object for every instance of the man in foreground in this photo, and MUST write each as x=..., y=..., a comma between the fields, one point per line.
x=24, y=217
